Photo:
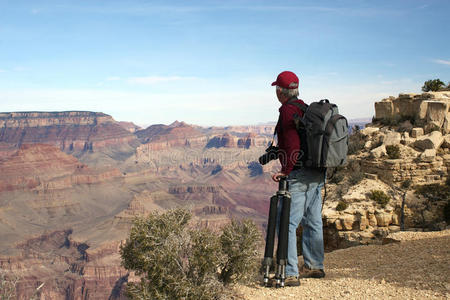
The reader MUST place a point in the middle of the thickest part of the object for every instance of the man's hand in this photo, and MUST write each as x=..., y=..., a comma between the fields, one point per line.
x=276, y=176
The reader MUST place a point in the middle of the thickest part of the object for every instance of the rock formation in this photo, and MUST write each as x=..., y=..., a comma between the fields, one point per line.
x=404, y=148
x=71, y=131
x=431, y=109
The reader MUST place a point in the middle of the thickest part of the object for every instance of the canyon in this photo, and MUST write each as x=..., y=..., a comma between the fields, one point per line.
x=71, y=184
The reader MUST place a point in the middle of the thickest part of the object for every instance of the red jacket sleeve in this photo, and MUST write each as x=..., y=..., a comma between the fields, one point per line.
x=289, y=140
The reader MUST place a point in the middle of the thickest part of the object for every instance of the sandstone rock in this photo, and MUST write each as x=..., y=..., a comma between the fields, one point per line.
x=392, y=138
x=369, y=131
x=338, y=224
x=368, y=145
x=372, y=220
x=436, y=112
x=371, y=176
x=384, y=109
x=446, y=125
x=394, y=228
x=446, y=143
x=383, y=219
x=347, y=222
x=432, y=140
x=395, y=219
x=378, y=152
x=416, y=132
x=428, y=154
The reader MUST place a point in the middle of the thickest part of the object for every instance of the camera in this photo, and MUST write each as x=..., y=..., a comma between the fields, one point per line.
x=271, y=154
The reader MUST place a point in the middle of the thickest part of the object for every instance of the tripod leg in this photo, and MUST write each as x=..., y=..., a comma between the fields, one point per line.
x=270, y=239
x=283, y=241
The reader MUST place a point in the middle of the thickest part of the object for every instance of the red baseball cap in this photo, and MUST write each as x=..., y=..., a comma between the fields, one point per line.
x=286, y=80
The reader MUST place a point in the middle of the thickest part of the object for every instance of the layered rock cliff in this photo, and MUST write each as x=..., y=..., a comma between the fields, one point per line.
x=45, y=167
x=71, y=131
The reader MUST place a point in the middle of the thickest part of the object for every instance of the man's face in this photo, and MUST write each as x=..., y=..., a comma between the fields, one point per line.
x=280, y=96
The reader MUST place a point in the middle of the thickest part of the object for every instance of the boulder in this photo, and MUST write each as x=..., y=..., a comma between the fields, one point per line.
x=372, y=220
x=436, y=112
x=446, y=125
x=416, y=132
x=383, y=219
x=428, y=153
x=392, y=138
x=347, y=222
x=446, y=143
x=368, y=145
x=432, y=140
x=369, y=131
x=378, y=152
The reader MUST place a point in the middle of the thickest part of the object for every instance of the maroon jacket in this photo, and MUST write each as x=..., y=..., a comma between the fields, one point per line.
x=288, y=139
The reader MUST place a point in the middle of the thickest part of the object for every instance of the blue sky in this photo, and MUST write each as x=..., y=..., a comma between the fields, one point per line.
x=212, y=62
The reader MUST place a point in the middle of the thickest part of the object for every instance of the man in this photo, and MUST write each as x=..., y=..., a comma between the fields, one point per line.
x=305, y=186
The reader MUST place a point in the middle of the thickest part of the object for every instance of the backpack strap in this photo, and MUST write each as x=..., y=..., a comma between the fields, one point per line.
x=303, y=107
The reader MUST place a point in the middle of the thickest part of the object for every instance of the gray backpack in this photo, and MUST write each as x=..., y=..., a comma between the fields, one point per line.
x=323, y=134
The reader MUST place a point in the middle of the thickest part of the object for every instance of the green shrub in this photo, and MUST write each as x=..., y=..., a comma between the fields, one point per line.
x=356, y=177
x=342, y=205
x=433, y=85
x=176, y=261
x=393, y=151
x=379, y=197
x=239, y=243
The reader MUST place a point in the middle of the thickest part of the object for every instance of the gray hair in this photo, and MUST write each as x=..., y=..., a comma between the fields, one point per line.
x=288, y=92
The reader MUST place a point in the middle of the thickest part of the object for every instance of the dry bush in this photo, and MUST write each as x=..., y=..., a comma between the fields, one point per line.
x=342, y=205
x=393, y=151
x=7, y=286
x=379, y=197
x=176, y=261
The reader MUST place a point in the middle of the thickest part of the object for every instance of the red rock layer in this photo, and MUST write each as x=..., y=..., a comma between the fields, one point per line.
x=69, y=131
x=41, y=165
x=177, y=134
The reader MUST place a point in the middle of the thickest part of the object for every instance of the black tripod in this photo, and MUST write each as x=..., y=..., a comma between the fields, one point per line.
x=283, y=198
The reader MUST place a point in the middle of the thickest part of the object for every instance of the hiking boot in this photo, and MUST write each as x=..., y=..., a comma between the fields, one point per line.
x=292, y=281
x=306, y=272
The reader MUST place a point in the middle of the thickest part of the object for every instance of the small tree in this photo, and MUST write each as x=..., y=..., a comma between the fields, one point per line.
x=433, y=85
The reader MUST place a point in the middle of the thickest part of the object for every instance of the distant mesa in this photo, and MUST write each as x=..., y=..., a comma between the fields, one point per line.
x=129, y=126
x=71, y=131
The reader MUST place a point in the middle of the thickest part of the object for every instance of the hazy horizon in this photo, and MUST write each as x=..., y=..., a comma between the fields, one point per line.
x=212, y=63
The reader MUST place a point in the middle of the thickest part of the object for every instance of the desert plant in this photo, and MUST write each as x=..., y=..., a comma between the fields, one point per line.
x=177, y=261
x=393, y=151
x=342, y=205
x=355, y=177
x=379, y=197
x=433, y=85
x=7, y=286
x=239, y=243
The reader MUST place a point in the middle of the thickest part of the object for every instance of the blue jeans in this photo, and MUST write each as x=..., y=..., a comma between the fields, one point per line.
x=305, y=186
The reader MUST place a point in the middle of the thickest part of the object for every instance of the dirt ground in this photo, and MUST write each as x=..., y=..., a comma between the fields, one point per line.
x=415, y=266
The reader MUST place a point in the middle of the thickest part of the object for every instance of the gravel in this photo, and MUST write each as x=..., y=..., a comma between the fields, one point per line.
x=416, y=267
